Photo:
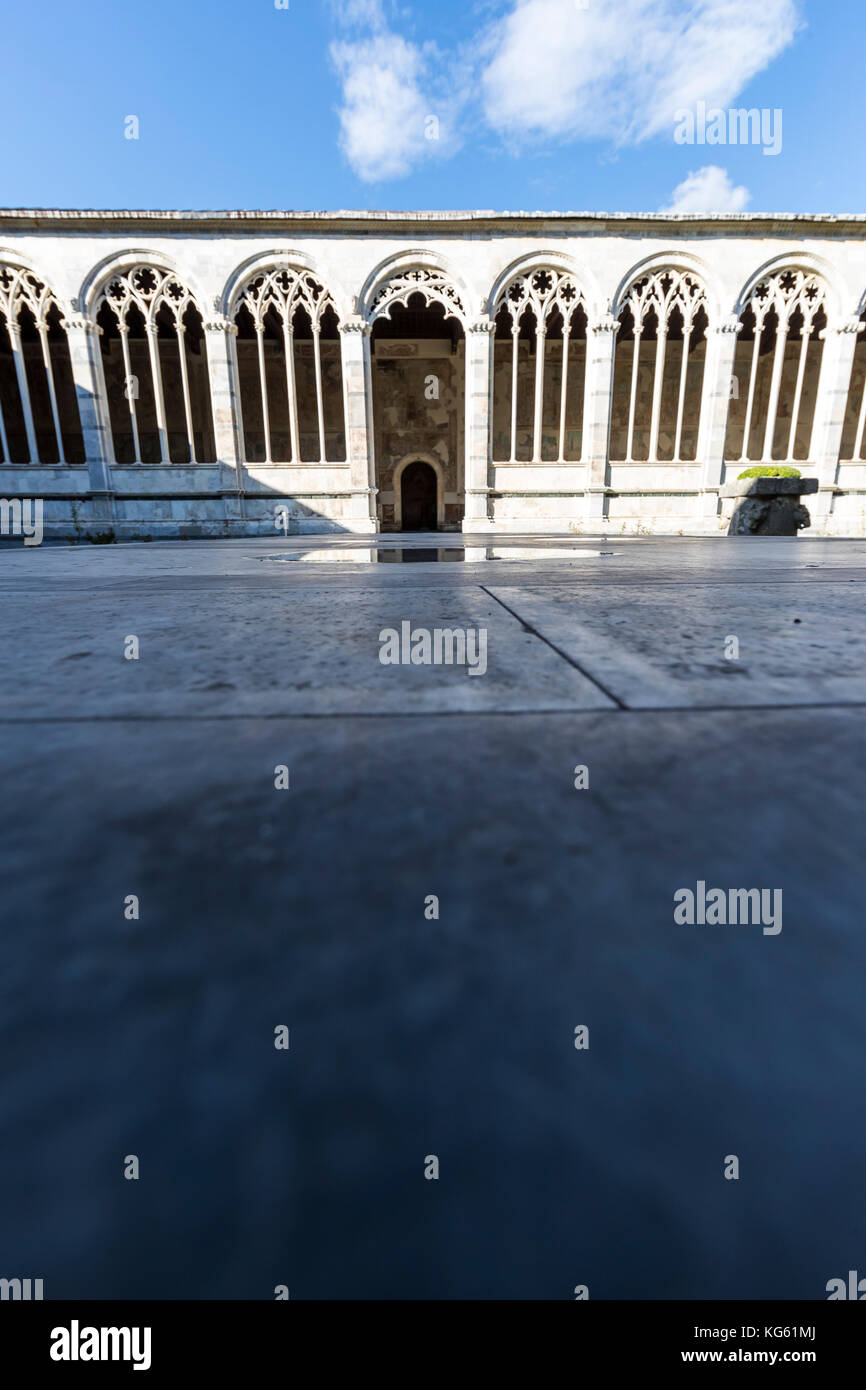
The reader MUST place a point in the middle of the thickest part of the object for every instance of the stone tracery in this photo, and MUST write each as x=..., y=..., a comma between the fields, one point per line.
x=435, y=286
x=39, y=419
x=538, y=405
x=776, y=368
x=155, y=367
x=657, y=394
x=289, y=368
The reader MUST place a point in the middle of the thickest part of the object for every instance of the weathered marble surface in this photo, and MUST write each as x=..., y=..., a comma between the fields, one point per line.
x=411, y=1037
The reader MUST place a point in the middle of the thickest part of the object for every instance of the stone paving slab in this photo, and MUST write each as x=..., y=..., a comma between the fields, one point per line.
x=689, y=557
x=650, y=649
x=269, y=653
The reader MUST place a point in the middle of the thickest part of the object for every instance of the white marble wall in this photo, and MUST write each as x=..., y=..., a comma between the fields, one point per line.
x=355, y=256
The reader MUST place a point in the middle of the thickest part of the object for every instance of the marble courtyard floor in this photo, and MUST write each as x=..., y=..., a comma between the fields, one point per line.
x=414, y=1035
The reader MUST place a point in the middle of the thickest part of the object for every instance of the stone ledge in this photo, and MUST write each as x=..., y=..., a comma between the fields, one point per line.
x=769, y=487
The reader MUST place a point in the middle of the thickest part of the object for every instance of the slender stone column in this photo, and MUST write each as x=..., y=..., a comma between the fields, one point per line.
x=538, y=409
x=158, y=394
x=840, y=345
x=82, y=337
x=598, y=398
x=478, y=388
x=220, y=333
x=715, y=404
x=358, y=408
x=23, y=388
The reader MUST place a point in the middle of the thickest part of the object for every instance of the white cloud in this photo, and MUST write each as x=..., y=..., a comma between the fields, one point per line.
x=708, y=190
x=547, y=69
x=366, y=13
x=400, y=100
x=621, y=71
x=383, y=112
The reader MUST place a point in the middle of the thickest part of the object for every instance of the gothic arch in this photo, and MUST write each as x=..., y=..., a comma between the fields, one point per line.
x=806, y=262
x=120, y=263
x=267, y=263
x=678, y=261
x=663, y=310
x=39, y=417
x=154, y=360
x=396, y=279
x=539, y=349
x=540, y=260
x=783, y=314
x=288, y=361
x=419, y=456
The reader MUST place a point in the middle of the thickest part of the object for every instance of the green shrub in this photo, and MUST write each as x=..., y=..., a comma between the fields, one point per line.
x=770, y=470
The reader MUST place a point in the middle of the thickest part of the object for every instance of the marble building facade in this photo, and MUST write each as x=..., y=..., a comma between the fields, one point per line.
x=172, y=374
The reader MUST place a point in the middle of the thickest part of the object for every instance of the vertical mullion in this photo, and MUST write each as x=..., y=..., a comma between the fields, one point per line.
x=291, y=387
x=775, y=388
x=23, y=389
x=566, y=334
x=540, y=339
x=127, y=373
x=266, y=421
x=681, y=401
x=156, y=373
x=798, y=393
x=49, y=376
x=320, y=406
x=633, y=397
x=753, y=380
x=515, y=335
x=658, y=382
x=181, y=348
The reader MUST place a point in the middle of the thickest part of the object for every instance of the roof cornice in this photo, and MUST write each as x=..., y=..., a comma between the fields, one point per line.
x=442, y=223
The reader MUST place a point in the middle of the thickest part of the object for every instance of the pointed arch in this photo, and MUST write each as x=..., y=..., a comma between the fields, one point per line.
x=154, y=362
x=289, y=363
x=396, y=279
x=539, y=367
x=663, y=310
x=783, y=313
x=39, y=417
x=556, y=260
x=419, y=456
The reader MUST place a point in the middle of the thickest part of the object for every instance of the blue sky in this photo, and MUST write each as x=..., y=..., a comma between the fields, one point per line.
x=501, y=104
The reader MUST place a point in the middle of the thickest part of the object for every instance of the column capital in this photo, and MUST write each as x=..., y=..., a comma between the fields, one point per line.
x=730, y=324
x=80, y=324
x=355, y=323
x=483, y=325
x=607, y=324
x=218, y=323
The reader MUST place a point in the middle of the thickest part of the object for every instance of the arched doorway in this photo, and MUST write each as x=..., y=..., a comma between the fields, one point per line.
x=417, y=349
x=418, y=497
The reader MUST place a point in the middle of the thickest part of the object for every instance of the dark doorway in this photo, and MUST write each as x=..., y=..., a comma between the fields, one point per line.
x=418, y=497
